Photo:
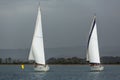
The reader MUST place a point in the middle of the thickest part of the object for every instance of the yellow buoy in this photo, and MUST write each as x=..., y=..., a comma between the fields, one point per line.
x=22, y=66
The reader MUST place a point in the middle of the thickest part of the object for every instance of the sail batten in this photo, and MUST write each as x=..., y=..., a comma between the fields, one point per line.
x=92, y=46
x=37, y=47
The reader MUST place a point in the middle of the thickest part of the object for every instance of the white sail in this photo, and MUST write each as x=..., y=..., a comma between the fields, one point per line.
x=87, y=56
x=31, y=57
x=37, y=48
x=93, y=50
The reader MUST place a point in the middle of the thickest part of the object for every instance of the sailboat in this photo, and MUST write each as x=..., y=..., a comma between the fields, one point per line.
x=93, y=56
x=37, y=53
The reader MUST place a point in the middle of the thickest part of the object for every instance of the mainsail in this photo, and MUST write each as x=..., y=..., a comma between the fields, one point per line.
x=37, y=47
x=92, y=46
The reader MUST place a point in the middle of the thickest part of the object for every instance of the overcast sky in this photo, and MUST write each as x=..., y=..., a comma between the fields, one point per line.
x=66, y=23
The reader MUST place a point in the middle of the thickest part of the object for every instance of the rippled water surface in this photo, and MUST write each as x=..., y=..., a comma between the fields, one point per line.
x=59, y=72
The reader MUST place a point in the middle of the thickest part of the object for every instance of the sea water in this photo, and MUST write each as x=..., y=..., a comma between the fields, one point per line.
x=59, y=72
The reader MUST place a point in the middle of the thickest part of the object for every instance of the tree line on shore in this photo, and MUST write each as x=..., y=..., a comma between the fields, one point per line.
x=53, y=60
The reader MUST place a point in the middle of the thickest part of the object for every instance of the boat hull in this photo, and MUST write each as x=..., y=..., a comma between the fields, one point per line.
x=41, y=68
x=97, y=68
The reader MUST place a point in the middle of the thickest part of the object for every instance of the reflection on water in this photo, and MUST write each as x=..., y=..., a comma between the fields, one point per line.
x=37, y=75
x=94, y=75
x=59, y=72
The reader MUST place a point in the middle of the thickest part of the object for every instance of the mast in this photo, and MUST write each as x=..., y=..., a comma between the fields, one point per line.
x=37, y=48
x=92, y=46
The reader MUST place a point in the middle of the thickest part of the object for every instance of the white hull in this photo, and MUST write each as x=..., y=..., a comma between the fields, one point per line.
x=97, y=68
x=41, y=68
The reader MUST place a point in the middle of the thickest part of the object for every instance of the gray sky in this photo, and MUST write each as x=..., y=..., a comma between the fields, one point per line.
x=66, y=24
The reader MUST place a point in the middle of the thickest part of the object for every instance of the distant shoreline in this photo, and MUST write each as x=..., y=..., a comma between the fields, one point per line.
x=60, y=64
